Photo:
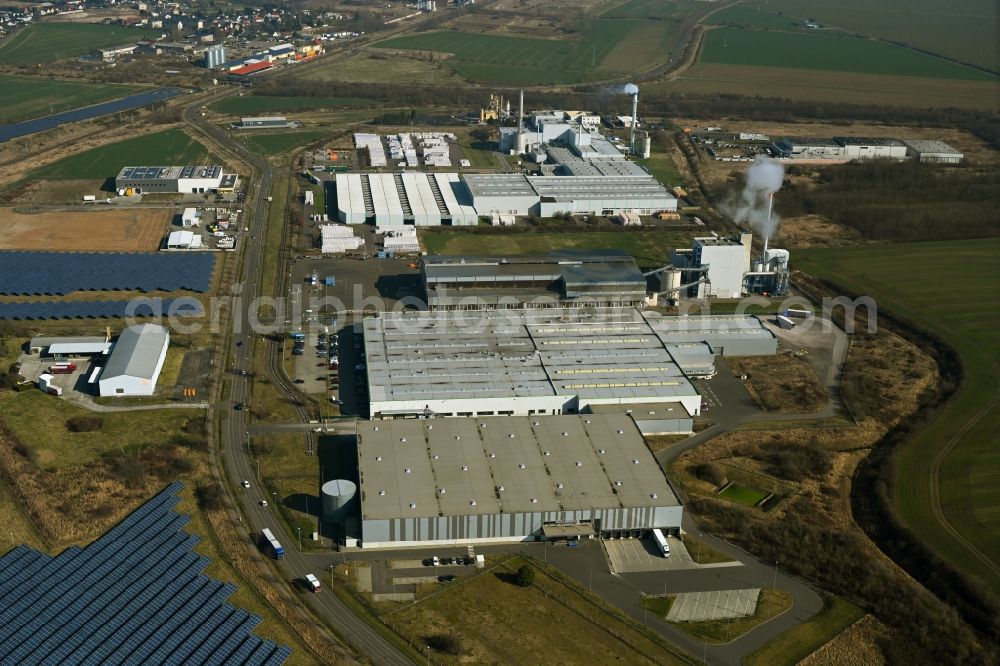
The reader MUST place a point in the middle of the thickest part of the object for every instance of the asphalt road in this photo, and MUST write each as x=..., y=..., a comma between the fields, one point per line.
x=233, y=445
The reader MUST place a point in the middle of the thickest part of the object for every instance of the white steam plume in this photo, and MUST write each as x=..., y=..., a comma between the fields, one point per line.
x=630, y=89
x=763, y=178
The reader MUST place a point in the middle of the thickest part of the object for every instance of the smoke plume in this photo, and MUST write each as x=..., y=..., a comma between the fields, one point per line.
x=763, y=178
x=630, y=89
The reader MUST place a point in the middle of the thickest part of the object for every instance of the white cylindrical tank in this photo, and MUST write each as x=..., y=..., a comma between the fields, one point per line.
x=647, y=147
x=776, y=259
x=335, y=496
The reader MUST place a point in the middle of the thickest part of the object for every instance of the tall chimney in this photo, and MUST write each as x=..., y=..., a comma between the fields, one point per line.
x=635, y=120
x=520, y=115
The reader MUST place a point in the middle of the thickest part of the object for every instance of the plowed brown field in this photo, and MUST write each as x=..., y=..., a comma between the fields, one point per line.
x=85, y=231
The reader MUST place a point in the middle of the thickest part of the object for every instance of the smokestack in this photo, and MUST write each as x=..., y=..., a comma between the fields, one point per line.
x=520, y=115
x=770, y=209
x=635, y=120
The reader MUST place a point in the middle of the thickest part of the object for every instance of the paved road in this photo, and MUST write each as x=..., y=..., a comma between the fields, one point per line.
x=13, y=131
x=235, y=456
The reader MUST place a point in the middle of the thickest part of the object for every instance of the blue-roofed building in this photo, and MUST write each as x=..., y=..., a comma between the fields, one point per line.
x=135, y=595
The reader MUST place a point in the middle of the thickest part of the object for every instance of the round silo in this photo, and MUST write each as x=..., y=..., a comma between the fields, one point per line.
x=336, y=497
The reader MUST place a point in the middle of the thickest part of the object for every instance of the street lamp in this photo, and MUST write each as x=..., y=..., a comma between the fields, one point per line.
x=774, y=581
x=299, y=530
x=699, y=547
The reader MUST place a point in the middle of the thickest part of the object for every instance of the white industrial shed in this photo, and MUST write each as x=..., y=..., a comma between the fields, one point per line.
x=932, y=150
x=135, y=361
x=395, y=199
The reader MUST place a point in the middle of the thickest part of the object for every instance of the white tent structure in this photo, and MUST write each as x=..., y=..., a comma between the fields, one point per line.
x=135, y=361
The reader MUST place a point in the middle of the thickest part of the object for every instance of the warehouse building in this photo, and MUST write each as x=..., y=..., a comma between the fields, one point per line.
x=727, y=335
x=870, y=148
x=933, y=151
x=395, y=199
x=517, y=362
x=174, y=179
x=516, y=194
x=606, y=279
x=135, y=362
x=843, y=148
x=265, y=122
x=509, y=479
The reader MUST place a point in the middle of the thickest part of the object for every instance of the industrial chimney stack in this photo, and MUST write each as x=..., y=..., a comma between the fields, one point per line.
x=635, y=121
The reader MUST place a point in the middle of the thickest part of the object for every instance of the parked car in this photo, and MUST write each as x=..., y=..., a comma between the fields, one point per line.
x=447, y=579
x=263, y=503
x=246, y=484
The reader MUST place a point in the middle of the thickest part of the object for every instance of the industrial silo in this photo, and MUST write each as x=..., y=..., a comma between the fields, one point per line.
x=337, y=499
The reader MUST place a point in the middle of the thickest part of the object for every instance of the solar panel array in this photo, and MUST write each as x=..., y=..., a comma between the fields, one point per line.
x=183, y=307
x=56, y=273
x=134, y=596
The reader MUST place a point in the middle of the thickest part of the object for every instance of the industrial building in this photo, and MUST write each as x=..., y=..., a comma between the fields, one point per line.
x=138, y=593
x=717, y=267
x=174, y=179
x=509, y=479
x=387, y=199
x=726, y=335
x=215, y=56
x=516, y=194
x=135, y=361
x=265, y=122
x=933, y=151
x=183, y=240
x=606, y=279
x=842, y=148
x=82, y=345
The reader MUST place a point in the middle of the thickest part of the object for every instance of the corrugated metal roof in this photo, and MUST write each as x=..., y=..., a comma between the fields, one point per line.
x=137, y=352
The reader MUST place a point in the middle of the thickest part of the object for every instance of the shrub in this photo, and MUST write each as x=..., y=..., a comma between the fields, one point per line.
x=525, y=575
x=209, y=496
x=84, y=423
x=447, y=643
x=710, y=473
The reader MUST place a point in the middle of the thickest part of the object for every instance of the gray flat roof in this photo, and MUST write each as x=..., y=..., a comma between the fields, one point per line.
x=48, y=341
x=575, y=270
x=457, y=467
x=808, y=141
x=613, y=354
x=597, y=187
x=867, y=141
x=931, y=146
x=498, y=184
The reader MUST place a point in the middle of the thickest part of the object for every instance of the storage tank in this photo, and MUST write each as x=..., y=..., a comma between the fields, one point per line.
x=336, y=497
x=776, y=259
x=647, y=147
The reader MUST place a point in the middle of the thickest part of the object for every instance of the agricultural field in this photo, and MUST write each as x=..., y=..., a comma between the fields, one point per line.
x=827, y=86
x=47, y=41
x=964, y=30
x=254, y=104
x=280, y=142
x=139, y=230
x=650, y=248
x=170, y=147
x=27, y=97
x=825, y=52
x=948, y=480
x=634, y=36
x=743, y=16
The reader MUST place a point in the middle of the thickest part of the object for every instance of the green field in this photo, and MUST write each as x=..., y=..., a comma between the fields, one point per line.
x=744, y=495
x=167, y=148
x=742, y=16
x=825, y=52
x=45, y=42
x=965, y=30
x=267, y=103
x=796, y=644
x=26, y=97
x=280, y=142
x=39, y=420
x=650, y=248
x=963, y=308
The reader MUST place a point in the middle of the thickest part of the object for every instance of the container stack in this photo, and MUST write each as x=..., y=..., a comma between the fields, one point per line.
x=401, y=241
x=337, y=239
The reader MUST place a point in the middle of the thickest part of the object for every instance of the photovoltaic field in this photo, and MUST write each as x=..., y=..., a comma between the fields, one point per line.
x=57, y=273
x=181, y=307
x=137, y=594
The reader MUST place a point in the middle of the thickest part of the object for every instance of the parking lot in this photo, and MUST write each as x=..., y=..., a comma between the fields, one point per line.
x=637, y=555
x=713, y=605
x=360, y=284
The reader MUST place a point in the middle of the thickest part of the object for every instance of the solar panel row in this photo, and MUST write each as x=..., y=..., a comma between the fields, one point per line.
x=183, y=307
x=57, y=273
x=136, y=595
